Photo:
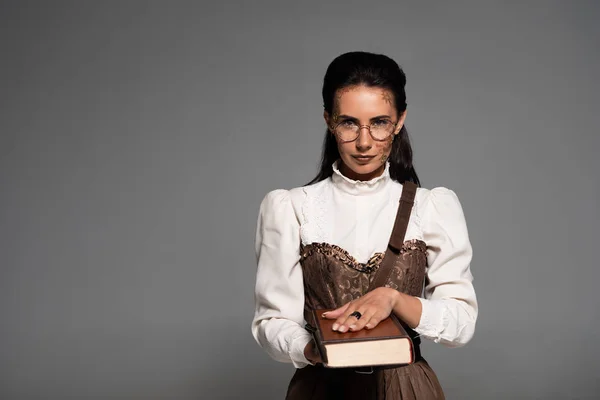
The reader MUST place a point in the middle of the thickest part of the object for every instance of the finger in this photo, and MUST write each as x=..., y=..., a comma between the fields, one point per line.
x=362, y=321
x=374, y=321
x=343, y=316
x=333, y=314
x=348, y=319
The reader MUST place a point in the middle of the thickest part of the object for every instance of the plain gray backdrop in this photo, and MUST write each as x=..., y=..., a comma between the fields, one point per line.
x=139, y=137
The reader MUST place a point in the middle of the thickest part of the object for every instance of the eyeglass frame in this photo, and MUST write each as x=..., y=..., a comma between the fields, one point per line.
x=360, y=127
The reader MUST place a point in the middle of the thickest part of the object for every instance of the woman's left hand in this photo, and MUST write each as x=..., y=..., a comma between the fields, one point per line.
x=374, y=307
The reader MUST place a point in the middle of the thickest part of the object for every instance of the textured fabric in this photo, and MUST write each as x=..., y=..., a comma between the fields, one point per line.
x=332, y=277
x=353, y=221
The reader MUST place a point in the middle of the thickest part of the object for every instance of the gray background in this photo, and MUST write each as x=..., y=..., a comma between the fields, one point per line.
x=138, y=139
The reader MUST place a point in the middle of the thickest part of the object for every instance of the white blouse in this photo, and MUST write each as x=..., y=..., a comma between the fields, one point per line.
x=358, y=216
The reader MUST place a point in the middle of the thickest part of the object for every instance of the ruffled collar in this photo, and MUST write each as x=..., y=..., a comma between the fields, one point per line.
x=359, y=188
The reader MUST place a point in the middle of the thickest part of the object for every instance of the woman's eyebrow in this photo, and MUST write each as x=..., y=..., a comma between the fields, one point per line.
x=381, y=117
x=344, y=116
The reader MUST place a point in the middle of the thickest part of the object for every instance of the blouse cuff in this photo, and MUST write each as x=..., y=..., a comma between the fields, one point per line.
x=433, y=320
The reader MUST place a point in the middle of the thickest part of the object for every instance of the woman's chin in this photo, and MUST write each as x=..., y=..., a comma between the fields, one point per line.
x=363, y=172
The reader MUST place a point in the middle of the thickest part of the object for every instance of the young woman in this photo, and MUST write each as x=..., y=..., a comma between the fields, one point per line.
x=318, y=245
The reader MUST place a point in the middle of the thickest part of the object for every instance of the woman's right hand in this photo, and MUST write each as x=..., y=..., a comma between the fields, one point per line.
x=312, y=354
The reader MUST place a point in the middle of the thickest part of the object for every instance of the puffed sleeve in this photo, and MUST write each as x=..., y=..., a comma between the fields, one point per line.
x=278, y=324
x=450, y=307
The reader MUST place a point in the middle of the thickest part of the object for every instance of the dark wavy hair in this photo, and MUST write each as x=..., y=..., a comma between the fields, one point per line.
x=372, y=70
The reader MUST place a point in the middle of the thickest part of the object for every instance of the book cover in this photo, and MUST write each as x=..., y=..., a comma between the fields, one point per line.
x=387, y=343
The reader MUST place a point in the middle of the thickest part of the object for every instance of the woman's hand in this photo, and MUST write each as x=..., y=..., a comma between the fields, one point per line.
x=374, y=307
x=311, y=353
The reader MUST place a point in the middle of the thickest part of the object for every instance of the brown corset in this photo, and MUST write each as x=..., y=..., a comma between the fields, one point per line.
x=332, y=277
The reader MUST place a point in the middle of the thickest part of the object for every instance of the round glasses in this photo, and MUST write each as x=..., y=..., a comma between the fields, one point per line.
x=348, y=130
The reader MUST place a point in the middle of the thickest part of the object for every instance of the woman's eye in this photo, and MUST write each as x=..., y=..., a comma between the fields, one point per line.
x=380, y=122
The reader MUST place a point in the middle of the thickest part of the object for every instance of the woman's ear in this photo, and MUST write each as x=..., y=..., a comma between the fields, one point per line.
x=400, y=122
x=327, y=119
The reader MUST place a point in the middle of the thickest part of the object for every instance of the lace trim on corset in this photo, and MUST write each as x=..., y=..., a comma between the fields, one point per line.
x=342, y=255
x=347, y=259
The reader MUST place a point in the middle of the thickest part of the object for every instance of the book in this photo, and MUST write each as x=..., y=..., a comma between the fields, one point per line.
x=386, y=344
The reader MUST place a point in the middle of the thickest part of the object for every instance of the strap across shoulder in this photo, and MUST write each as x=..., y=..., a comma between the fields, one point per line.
x=409, y=190
x=407, y=199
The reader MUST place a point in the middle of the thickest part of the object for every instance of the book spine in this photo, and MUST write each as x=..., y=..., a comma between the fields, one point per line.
x=318, y=338
x=411, y=343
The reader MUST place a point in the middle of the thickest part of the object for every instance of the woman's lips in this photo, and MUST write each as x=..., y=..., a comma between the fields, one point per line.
x=363, y=159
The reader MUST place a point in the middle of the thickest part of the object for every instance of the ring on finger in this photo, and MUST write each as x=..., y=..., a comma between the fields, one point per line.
x=356, y=314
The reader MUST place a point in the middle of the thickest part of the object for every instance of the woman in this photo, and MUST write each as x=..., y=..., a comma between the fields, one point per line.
x=318, y=245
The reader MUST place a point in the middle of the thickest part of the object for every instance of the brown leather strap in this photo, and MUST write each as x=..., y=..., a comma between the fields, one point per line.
x=409, y=190
x=407, y=200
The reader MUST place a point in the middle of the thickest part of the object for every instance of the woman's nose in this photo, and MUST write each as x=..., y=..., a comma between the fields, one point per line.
x=364, y=140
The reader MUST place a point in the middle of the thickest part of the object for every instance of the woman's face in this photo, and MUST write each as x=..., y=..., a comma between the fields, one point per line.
x=365, y=157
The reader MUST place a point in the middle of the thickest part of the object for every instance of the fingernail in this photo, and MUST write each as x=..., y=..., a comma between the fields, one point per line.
x=352, y=327
x=335, y=326
x=324, y=315
x=343, y=329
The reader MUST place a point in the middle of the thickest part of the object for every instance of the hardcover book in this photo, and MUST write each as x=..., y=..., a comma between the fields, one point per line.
x=386, y=344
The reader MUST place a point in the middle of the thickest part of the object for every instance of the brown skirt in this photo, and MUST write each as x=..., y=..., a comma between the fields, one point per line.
x=415, y=382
